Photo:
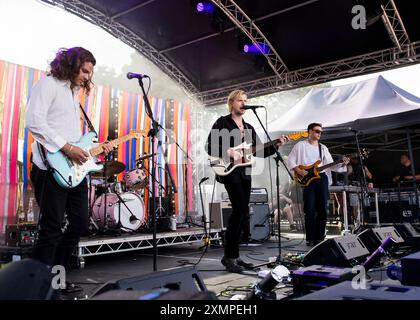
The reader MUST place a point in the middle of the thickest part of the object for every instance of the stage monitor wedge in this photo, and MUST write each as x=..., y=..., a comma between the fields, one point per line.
x=344, y=251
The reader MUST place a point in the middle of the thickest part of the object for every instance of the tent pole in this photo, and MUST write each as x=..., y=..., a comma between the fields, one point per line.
x=410, y=152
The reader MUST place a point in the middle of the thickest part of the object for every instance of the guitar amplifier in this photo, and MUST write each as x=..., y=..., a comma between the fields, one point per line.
x=258, y=195
x=219, y=214
x=21, y=235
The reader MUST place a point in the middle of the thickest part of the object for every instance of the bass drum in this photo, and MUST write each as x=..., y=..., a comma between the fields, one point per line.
x=129, y=211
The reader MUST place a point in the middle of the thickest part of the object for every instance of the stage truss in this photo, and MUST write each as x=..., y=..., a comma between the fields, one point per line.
x=107, y=245
x=404, y=53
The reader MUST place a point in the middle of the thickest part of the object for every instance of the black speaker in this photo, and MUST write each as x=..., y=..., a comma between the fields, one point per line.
x=410, y=235
x=26, y=279
x=373, y=291
x=372, y=238
x=345, y=251
x=182, y=280
x=259, y=222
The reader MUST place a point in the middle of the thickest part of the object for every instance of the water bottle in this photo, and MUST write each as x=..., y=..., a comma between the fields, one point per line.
x=173, y=223
x=394, y=271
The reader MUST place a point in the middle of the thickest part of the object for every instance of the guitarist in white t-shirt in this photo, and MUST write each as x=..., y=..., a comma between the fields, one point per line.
x=315, y=193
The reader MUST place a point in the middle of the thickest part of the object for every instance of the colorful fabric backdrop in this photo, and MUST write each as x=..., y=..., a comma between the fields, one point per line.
x=114, y=113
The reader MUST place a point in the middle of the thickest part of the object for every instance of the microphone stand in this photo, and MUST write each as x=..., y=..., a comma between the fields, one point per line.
x=277, y=158
x=152, y=134
x=187, y=157
x=363, y=183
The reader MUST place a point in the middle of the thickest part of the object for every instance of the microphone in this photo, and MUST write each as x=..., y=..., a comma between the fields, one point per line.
x=204, y=179
x=131, y=75
x=251, y=107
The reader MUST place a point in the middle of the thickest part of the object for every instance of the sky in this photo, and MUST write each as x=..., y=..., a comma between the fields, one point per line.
x=36, y=30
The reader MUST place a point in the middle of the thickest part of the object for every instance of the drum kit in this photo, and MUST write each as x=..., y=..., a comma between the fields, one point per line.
x=117, y=205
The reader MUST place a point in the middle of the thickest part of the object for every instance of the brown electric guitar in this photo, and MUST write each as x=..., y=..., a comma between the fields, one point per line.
x=314, y=171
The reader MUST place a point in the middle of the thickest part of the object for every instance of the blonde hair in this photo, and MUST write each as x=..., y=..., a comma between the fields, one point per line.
x=232, y=96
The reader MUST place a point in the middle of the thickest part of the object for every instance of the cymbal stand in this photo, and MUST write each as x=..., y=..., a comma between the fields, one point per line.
x=160, y=208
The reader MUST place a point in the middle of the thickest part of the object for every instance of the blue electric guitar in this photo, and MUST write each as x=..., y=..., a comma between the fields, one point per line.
x=68, y=173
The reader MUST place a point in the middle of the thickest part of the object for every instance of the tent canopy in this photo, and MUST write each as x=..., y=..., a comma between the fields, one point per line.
x=311, y=41
x=373, y=105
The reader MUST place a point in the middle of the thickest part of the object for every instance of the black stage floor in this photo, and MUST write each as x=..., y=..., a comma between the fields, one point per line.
x=103, y=268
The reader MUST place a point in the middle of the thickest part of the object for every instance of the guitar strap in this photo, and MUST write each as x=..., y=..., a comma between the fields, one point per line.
x=41, y=150
x=88, y=122
x=320, y=151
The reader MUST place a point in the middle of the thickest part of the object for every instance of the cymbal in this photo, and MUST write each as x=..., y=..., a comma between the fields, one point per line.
x=110, y=168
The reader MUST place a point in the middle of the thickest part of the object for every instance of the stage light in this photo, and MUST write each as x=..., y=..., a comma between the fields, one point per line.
x=259, y=48
x=205, y=7
x=262, y=290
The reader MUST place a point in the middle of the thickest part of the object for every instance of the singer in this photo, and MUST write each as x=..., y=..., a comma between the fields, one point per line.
x=229, y=131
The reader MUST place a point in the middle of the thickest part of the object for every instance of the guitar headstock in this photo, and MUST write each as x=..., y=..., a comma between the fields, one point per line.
x=365, y=153
x=137, y=134
x=297, y=135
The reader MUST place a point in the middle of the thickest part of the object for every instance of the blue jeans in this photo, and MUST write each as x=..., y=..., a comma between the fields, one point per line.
x=315, y=206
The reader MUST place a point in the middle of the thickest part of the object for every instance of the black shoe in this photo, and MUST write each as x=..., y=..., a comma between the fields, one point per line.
x=244, y=264
x=231, y=265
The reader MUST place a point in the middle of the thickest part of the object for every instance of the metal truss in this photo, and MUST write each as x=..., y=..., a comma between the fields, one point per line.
x=394, y=25
x=363, y=64
x=243, y=22
x=101, y=246
x=127, y=36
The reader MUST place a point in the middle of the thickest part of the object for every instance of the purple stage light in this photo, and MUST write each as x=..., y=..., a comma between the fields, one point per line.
x=205, y=7
x=253, y=48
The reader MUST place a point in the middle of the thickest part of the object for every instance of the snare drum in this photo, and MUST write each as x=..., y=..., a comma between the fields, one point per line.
x=116, y=209
x=135, y=179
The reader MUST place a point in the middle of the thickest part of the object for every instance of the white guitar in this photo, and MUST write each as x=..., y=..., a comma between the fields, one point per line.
x=68, y=173
x=224, y=168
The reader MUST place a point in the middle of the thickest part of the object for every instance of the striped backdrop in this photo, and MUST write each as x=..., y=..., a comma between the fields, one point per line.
x=15, y=87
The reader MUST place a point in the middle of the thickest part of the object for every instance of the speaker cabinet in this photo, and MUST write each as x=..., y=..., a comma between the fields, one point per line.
x=259, y=222
x=220, y=213
x=343, y=251
x=372, y=238
x=182, y=280
x=26, y=279
x=373, y=291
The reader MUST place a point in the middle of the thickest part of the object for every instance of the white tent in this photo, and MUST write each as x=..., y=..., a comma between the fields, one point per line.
x=370, y=106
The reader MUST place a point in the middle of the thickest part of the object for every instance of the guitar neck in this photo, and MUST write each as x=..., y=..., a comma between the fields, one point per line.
x=332, y=164
x=113, y=143
x=263, y=146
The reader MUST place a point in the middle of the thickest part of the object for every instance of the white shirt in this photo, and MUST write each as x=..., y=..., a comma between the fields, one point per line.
x=53, y=116
x=304, y=153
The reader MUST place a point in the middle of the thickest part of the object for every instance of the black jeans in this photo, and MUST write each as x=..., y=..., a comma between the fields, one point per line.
x=315, y=206
x=53, y=245
x=239, y=190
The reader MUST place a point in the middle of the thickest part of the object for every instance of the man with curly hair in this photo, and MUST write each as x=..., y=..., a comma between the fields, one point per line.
x=53, y=117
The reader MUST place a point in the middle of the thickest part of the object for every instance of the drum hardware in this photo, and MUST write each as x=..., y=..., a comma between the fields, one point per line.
x=160, y=208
